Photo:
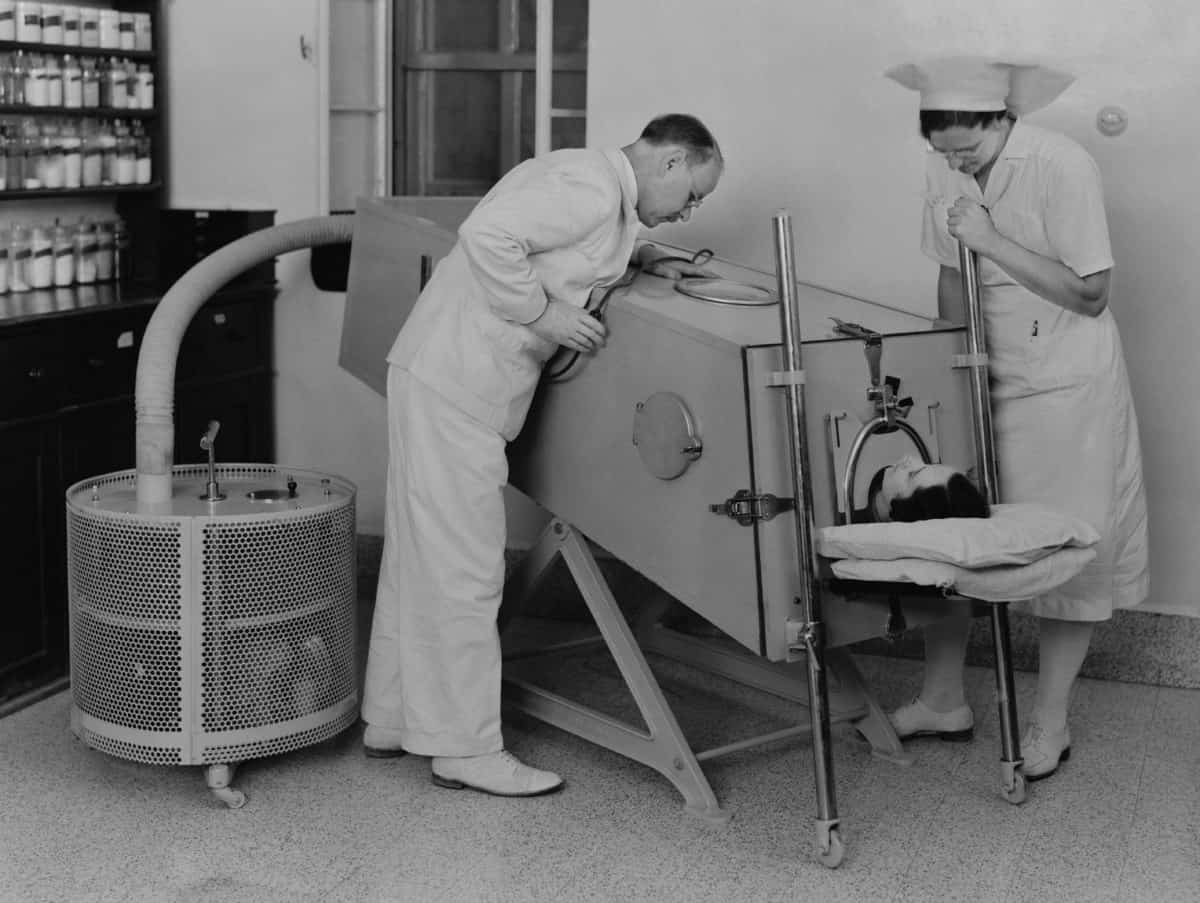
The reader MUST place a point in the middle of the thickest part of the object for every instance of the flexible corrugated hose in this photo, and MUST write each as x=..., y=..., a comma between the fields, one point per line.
x=155, y=385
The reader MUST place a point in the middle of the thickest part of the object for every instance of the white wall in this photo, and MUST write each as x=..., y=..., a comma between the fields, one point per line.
x=245, y=112
x=795, y=94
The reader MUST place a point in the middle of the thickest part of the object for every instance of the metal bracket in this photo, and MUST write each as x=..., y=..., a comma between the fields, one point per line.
x=978, y=359
x=746, y=508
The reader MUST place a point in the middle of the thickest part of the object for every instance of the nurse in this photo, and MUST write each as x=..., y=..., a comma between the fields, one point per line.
x=461, y=376
x=1029, y=202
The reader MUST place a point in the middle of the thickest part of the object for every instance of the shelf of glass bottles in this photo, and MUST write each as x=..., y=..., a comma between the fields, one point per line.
x=64, y=83
x=40, y=256
x=61, y=49
x=41, y=157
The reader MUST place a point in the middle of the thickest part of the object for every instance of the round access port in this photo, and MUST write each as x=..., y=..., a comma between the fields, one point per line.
x=267, y=495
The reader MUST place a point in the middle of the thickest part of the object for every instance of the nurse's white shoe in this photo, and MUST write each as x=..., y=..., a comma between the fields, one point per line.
x=918, y=720
x=1043, y=750
x=499, y=773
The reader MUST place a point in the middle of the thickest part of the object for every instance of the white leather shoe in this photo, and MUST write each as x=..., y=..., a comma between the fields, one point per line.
x=1043, y=751
x=382, y=742
x=918, y=720
x=499, y=773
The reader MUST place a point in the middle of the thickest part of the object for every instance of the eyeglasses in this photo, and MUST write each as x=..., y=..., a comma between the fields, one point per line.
x=960, y=153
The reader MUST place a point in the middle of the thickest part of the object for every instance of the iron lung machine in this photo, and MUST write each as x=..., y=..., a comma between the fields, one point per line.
x=668, y=448
x=697, y=449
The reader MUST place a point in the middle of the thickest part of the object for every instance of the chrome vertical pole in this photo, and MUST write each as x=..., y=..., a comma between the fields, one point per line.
x=812, y=627
x=1012, y=782
x=543, y=75
x=977, y=364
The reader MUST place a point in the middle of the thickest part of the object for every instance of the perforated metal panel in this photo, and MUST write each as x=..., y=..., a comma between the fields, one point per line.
x=213, y=631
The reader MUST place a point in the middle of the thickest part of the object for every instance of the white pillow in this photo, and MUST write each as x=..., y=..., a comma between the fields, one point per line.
x=1003, y=583
x=1014, y=534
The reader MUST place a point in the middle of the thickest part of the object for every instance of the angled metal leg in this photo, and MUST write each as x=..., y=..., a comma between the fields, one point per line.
x=662, y=746
x=1012, y=781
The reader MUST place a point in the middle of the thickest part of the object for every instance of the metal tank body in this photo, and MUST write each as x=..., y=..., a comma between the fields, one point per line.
x=686, y=385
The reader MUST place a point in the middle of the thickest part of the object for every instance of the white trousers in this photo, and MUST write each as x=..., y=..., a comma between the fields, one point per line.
x=433, y=666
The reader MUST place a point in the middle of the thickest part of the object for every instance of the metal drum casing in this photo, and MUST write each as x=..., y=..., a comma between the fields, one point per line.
x=212, y=632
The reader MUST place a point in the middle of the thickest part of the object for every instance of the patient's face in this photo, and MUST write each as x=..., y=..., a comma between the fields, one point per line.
x=903, y=478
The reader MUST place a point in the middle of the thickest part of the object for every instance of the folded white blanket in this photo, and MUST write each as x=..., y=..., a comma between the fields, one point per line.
x=998, y=583
x=1014, y=534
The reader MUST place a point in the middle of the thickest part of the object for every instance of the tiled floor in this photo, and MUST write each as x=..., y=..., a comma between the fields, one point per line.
x=1120, y=822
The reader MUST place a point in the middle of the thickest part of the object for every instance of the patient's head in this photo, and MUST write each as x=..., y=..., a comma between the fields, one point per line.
x=911, y=490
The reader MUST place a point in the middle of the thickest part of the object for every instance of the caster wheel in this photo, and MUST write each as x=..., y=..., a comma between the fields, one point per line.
x=1015, y=792
x=234, y=799
x=831, y=855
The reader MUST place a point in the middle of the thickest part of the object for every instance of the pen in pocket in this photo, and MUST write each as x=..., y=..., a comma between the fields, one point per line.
x=1034, y=331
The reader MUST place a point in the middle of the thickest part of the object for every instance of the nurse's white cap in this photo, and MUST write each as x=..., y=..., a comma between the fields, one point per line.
x=976, y=84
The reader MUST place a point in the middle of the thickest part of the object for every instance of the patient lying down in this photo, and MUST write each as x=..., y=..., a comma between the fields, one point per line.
x=911, y=490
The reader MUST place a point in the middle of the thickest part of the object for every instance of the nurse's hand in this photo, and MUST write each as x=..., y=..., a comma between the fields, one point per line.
x=971, y=223
x=566, y=324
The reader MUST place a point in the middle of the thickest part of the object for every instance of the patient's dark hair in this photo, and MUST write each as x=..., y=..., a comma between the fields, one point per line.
x=958, y=498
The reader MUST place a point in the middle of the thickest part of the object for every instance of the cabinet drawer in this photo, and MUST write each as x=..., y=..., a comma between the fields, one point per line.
x=100, y=355
x=223, y=339
x=30, y=373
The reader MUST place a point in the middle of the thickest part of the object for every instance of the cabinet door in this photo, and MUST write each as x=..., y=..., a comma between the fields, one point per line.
x=33, y=642
x=96, y=440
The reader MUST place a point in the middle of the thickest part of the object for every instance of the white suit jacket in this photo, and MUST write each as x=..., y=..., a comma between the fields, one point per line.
x=556, y=226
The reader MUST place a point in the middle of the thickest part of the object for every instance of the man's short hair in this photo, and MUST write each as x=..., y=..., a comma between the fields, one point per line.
x=686, y=131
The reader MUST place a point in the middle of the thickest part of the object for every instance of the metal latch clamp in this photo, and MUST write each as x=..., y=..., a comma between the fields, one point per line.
x=746, y=508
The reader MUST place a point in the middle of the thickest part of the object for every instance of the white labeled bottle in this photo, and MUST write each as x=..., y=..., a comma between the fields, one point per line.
x=54, y=83
x=18, y=260
x=32, y=143
x=91, y=84
x=107, y=140
x=93, y=156
x=72, y=147
x=8, y=21
x=29, y=22
x=41, y=269
x=71, y=37
x=85, y=253
x=52, y=23
x=126, y=156
x=142, y=150
x=145, y=87
x=35, y=81
x=53, y=170
x=64, y=255
x=72, y=76
x=89, y=26
x=105, y=252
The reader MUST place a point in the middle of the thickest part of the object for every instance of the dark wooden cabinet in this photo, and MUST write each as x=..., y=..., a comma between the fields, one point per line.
x=67, y=414
x=31, y=536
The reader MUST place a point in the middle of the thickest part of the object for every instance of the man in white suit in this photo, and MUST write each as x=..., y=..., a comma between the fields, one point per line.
x=462, y=373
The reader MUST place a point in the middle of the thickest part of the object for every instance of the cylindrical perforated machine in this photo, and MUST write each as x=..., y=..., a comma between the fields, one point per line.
x=212, y=608
x=216, y=629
